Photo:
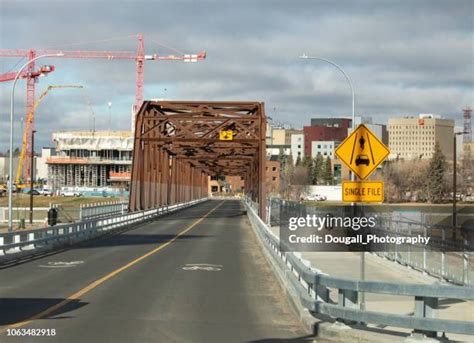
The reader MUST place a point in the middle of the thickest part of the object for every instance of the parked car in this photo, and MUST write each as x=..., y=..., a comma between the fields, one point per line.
x=34, y=192
x=45, y=192
x=315, y=197
x=70, y=194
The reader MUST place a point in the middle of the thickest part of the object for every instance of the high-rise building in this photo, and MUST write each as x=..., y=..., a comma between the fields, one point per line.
x=415, y=138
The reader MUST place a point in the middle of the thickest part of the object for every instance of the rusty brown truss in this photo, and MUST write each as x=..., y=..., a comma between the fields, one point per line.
x=177, y=146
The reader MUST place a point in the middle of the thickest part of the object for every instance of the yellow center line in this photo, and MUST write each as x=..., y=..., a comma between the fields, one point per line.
x=98, y=282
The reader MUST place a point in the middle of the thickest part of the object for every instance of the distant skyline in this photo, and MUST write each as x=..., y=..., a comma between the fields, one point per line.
x=404, y=57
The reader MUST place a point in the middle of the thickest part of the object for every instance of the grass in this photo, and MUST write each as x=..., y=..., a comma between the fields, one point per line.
x=23, y=200
x=68, y=204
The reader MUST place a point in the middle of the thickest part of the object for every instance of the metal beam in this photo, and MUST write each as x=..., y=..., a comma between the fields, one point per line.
x=177, y=147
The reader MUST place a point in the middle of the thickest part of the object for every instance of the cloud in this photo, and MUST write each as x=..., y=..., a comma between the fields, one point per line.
x=404, y=57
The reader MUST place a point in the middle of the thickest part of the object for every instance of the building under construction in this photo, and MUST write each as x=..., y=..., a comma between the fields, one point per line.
x=91, y=159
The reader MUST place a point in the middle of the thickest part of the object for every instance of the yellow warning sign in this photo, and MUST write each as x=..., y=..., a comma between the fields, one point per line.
x=226, y=135
x=366, y=191
x=362, y=152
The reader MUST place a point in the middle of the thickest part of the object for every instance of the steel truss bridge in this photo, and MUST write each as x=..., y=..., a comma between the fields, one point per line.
x=177, y=146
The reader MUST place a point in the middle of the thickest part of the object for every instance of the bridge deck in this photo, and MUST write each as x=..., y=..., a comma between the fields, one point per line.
x=104, y=298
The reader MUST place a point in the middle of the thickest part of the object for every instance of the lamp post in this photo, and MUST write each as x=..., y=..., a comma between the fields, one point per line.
x=349, y=81
x=10, y=162
x=455, y=183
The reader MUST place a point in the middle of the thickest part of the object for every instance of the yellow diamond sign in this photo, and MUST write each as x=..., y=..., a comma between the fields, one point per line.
x=226, y=135
x=362, y=152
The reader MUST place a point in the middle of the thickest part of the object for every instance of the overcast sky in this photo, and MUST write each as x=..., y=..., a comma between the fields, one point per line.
x=404, y=57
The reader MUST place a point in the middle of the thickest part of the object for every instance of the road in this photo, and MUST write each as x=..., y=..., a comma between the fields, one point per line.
x=193, y=276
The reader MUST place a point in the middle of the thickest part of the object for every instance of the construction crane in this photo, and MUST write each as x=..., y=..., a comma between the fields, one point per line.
x=139, y=57
x=42, y=71
x=28, y=123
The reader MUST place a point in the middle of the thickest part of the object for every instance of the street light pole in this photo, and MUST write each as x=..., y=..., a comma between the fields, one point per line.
x=10, y=162
x=349, y=81
x=455, y=183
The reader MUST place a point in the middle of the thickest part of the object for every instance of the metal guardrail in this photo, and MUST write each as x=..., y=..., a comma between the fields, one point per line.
x=313, y=288
x=20, y=244
x=446, y=259
x=100, y=210
x=39, y=214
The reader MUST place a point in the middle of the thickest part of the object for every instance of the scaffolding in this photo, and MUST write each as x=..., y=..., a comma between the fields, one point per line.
x=87, y=159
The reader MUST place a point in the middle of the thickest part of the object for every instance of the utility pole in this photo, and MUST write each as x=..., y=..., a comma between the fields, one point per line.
x=32, y=174
x=454, y=222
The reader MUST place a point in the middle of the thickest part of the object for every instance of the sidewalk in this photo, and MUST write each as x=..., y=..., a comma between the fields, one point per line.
x=347, y=265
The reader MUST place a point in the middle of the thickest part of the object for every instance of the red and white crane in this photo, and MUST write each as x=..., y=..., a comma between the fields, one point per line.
x=31, y=75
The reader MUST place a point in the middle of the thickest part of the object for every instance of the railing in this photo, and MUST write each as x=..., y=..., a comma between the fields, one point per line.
x=313, y=290
x=25, y=243
x=439, y=259
x=39, y=214
x=100, y=210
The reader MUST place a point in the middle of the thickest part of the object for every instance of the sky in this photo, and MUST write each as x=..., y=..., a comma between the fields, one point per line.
x=404, y=57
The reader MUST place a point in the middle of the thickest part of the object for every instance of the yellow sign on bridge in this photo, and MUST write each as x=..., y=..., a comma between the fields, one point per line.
x=226, y=135
x=362, y=152
x=366, y=191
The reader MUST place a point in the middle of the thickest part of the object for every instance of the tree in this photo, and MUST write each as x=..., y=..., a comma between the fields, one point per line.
x=298, y=161
x=327, y=175
x=300, y=181
x=435, y=176
x=404, y=180
x=282, y=158
x=317, y=171
x=309, y=165
x=286, y=180
x=293, y=181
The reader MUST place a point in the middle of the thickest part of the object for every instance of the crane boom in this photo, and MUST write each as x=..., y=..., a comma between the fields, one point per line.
x=139, y=57
x=28, y=122
x=44, y=70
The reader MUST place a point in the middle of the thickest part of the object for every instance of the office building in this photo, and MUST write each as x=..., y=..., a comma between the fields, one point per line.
x=297, y=146
x=415, y=137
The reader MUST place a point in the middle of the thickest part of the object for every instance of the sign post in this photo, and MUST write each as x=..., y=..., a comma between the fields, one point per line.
x=362, y=152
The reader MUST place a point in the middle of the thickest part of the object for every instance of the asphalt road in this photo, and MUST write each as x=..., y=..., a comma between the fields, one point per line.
x=194, y=276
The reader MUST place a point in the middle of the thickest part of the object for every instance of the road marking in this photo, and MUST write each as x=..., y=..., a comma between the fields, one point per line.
x=204, y=266
x=98, y=282
x=59, y=264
